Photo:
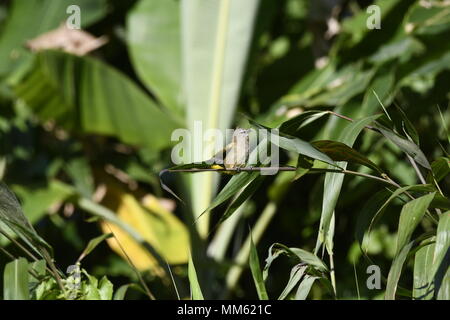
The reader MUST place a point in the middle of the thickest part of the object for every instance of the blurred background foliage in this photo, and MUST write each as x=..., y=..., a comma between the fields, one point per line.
x=83, y=138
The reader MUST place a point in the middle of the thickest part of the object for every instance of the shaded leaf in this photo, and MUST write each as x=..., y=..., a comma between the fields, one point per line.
x=294, y=124
x=440, y=169
x=92, y=244
x=442, y=246
x=333, y=183
x=396, y=270
x=196, y=291
x=296, y=274
x=256, y=272
x=405, y=145
x=305, y=287
x=241, y=197
x=233, y=186
x=339, y=151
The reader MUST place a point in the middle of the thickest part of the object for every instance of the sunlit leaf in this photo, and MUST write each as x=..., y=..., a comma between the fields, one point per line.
x=154, y=33
x=95, y=99
x=423, y=289
x=410, y=217
x=159, y=227
x=15, y=280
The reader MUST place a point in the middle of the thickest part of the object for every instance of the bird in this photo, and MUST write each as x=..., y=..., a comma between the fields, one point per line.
x=236, y=152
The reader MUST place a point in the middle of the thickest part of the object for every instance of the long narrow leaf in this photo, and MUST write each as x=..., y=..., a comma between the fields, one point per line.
x=333, y=183
x=256, y=272
x=410, y=217
x=196, y=290
x=15, y=280
x=396, y=270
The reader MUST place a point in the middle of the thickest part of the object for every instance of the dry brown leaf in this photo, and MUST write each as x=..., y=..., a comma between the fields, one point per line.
x=73, y=41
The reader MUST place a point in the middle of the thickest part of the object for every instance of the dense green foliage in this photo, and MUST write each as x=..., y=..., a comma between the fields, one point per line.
x=362, y=115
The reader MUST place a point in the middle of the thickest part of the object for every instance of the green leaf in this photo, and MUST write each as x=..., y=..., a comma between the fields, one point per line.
x=410, y=217
x=216, y=38
x=105, y=289
x=296, y=274
x=431, y=19
x=305, y=287
x=444, y=286
x=440, y=169
x=382, y=84
x=423, y=262
x=405, y=145
x=293, y=144
x=38, y=199
x=401, y=49
x=407, y=126
x=154, y=42
x=90, y=289
x=80, y=172
x=303, y=165
x=294, y=124
x=233, y=186
x=120, y=293
x=12, y=217
x=28, y=19
x=347, y=83
x=375, y=208
x=15, y=280
x=301, y=147
x=368, y=214
x=396, y=270
x=196, y=291
x=339, y=151
x=95, y=99
x=333, y=183
x=256, y=272
x=442, y=246
x=241, y=197
x=302, y=256
x=92, y=244
x=309, y=258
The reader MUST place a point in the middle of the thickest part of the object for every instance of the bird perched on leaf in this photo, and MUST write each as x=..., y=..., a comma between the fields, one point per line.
x=236, y=152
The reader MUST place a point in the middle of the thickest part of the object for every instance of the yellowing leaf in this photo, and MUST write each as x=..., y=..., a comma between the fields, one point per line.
x=158, y=226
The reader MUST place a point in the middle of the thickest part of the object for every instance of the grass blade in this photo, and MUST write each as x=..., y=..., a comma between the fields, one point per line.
x=196, y=291
x=256, y=273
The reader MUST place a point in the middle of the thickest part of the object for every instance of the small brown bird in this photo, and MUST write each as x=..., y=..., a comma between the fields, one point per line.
x=236, y=152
